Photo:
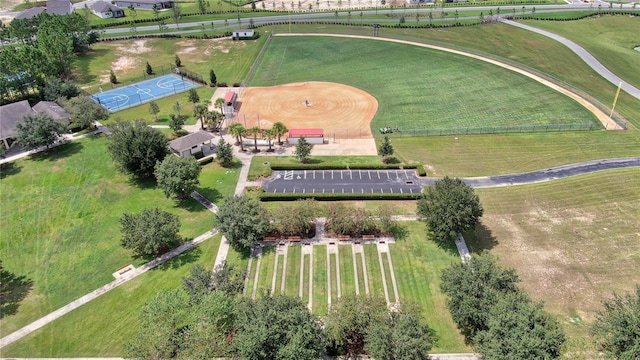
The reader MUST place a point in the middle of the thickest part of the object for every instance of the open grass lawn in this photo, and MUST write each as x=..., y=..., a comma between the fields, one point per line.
x=320, y=283
x=505, y=154
x=446, y=91
x=229, y=59
x=166, y=108
x=418, y=262
x=103, y=327
x=292, y=279
x=63, y=230
x=510, y=43
x=347, y=277
x=400, y=207
x=573, y=241
x=610, y=39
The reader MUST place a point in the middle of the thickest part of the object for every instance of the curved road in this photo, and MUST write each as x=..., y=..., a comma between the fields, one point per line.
x=584, y=55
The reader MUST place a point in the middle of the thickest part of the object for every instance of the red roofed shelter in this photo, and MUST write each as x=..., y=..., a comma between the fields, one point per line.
x=313, y=136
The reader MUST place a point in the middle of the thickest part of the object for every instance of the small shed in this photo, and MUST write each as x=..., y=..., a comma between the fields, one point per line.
x=243, y=34
x=10, y=116
x=230, y=102
x=55, y=111
x=191, y=144
x=313, y=136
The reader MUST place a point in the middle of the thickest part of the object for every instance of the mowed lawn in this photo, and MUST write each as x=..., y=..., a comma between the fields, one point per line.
x=483, y=155
x=60, y=222
x=417, y=263
x=609, y=38
x=419, y=88
x=103, y=327
x=572, y=241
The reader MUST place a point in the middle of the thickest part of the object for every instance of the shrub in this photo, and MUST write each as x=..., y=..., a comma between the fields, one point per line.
x=421, y=171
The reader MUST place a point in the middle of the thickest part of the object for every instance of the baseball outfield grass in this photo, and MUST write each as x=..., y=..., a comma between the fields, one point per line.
x=63, y=230
x=419, y=88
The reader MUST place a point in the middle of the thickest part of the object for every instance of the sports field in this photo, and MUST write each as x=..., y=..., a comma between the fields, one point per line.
x=417, y=87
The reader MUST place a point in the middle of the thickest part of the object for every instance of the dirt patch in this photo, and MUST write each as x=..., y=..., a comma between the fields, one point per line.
x=136, y=47
x=124, y=63
x=187, y=50
x=329, y=106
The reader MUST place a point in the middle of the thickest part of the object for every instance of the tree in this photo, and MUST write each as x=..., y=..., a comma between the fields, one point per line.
x=177, y=107
x=148, y=69
x=295, y=219
x=243, y=220
x=303, y=150
x=57, y=49
x=224, y=154
x=176, y=13
x=617, y=327
x=136, y=147
x=268, y=134
x=254, y=131
x=112, y=77
x=176, y=122
x=178, y=176
x=219, y=103
x=200, y=112
x=449, y=207
x=38, y=130
x=520, y=330
x=161, y=320
x=84, y=111
x=348, y=322
x=385, y=150
x=277, y=327
x=193, y=96
x=55, y=88
x=403, y=335
x=151, y=232
x=473, y=288
x=238, y=131
x=213, y=119
x=279, y=130
x=213, y=80
x=177, y=61
x=154, y=109
x=225, y=278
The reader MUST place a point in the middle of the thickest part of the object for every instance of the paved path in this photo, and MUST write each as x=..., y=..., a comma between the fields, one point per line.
x=584, y=55
x=102, y=290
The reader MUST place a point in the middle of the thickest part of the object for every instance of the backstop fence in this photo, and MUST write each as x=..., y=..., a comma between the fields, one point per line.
x=512, y=129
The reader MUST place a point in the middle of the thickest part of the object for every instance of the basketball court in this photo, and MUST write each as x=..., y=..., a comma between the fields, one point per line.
x=141, y=92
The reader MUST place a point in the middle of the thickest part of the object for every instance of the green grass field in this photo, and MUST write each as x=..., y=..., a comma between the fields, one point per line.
x=63, y=229
x=259, y=169
x=103, y=327
x=482, y=155
x=607, y=38
x=443, y=93
x=573, y=241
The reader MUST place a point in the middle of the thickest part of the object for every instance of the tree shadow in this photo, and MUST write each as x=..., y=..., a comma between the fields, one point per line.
x=187, y=257
x=399, y=231
x=480, y=239
x=13, y=289
x=191, y=205
x=58, y=152
x=142, y=183
x=83, y=71
x=245, y=252
x=8, y=169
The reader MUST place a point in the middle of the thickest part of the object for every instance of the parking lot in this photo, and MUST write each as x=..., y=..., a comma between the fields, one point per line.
x=344, y=181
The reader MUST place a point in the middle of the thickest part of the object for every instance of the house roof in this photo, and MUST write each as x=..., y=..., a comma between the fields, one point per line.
x=145, y=1
x=188, y=141
x=10, y=115
x=305, y=132
x=59, y=7
x=103, y=6
x=52, y=109
x=244, y=31
x=30, y=13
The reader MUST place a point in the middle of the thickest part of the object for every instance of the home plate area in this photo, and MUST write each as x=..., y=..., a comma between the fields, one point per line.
x=344, y=181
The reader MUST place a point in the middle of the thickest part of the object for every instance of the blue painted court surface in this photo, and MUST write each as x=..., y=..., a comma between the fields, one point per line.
x=144, y=91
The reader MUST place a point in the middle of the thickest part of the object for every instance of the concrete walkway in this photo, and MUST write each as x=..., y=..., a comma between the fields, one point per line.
x=584, y=55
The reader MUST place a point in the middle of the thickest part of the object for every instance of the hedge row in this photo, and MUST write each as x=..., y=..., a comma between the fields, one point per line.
x=342, y=167
x=154, y=19
x=580, y=17
x=334, y=197
x=421, y=171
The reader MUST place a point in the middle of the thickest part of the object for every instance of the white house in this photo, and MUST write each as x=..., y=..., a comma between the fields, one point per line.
x=106, y=10
x=145, y=4
x=246, y=33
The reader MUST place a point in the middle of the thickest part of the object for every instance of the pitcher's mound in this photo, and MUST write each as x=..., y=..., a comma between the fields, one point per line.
x=329, y=106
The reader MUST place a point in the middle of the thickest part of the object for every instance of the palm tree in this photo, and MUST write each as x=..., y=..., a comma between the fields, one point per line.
x=237, y=130
x=199, y=112
x=220, y=104
x=254, y=131
x=269, y=134
x=213, y=119
x=279, y=129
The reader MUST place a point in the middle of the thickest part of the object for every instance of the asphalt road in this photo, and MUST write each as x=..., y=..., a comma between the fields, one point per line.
x=406, y=181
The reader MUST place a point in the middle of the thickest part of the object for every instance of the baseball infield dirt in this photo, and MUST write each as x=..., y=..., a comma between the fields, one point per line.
x=329, y=106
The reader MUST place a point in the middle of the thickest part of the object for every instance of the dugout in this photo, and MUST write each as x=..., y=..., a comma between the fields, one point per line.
x=230, y=102
x=313, y=136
